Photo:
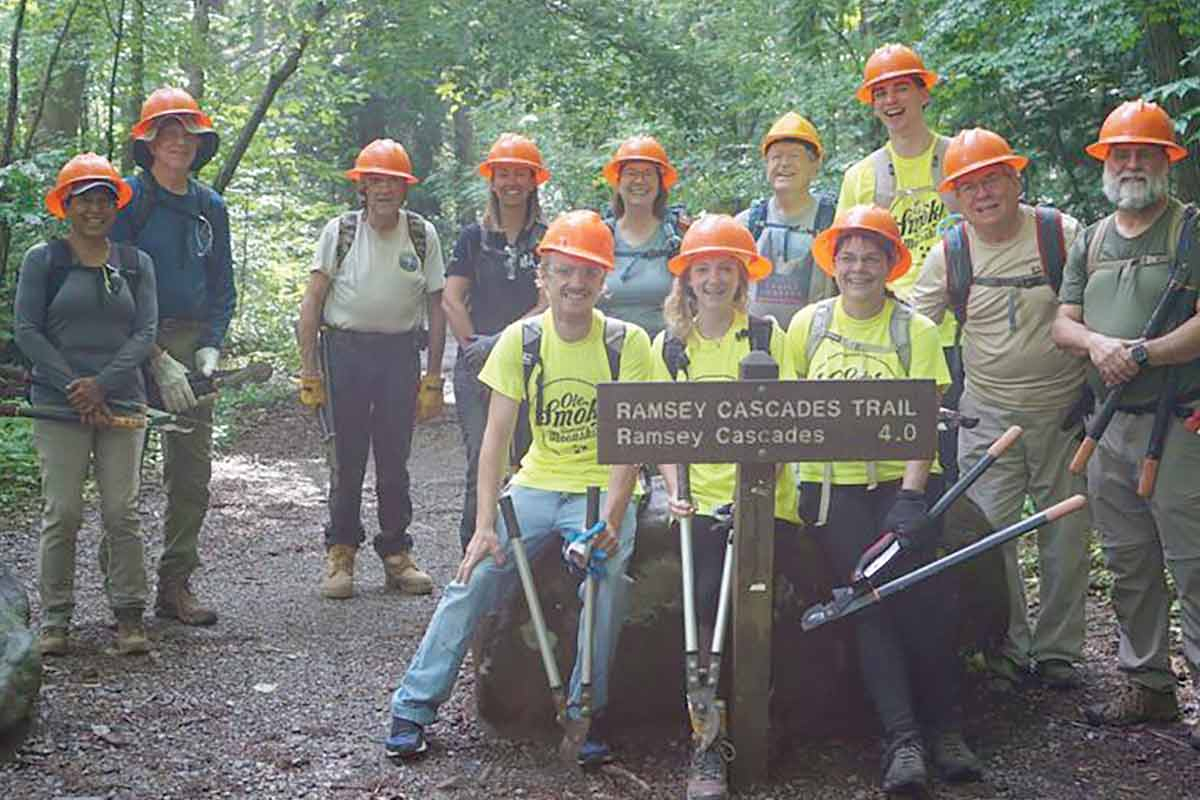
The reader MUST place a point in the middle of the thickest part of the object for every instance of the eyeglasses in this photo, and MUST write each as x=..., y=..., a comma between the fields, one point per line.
x=642, y=174
x=788, y=159
x=202, y=235
x=565, y=273
x=872, y=261
x=991, y=183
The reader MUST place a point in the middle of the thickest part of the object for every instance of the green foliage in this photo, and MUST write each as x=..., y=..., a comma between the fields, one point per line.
x=241, y=408
x=18, y=463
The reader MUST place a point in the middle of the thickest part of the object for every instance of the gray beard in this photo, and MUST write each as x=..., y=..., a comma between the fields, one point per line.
x=1133, y=195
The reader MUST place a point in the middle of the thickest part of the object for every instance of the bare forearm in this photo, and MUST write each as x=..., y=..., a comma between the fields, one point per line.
x=1180, y=346
x=310, y=322
x=493, y=452
x=1069, y=332
x=437, y=334
x=621, y=480
x=916, y=475
x=454, y=304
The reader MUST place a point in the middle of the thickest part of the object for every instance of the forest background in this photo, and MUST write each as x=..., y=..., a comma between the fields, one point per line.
x=297, y=87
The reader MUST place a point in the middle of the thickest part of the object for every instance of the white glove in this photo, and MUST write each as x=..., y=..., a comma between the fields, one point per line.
x=171, y=377
x=206, y=360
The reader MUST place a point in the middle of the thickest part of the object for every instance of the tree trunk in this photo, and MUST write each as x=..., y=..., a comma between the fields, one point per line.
x=10, y=122
x=1166, y=51
x=64, y=116
x=198, y=52
x=816, y=689
x=137, y=78
x=464, y=156
x=277, y=79
x=118, y=40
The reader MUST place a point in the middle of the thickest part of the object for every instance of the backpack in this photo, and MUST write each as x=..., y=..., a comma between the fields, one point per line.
x=960, y=274
x=885, y=171
x=348, y=229
x=898, y=332
x=675, y=224
x=531, y=354
x=757, y=223
x=758, y=330
x=62, y=261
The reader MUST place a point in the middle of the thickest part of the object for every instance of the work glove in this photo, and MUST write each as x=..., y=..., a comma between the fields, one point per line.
x=478, y=348
x=430, y=403
x=312, y=391
x=909, y=519
x=206, y=360
x=575, y=552
x=171, y=377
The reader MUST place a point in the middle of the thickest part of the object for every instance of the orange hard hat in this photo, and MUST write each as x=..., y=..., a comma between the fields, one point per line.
x=640, y=148
x=973, y=150
x=82, y=172
x=1137, y=122
x=720, y=234
x=383, y=157
x=795, y=127
x=170, y=102
x=582, y=234
x=518, y=151
x=861, y=218
x=889, y=62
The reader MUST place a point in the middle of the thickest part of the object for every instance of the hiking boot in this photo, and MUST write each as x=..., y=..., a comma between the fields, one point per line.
x=953, y=759
x=1005, y=676
x=52, y=642
x=904, y=765
x=1134, y=704
x=131, y=635
x=401, y=572
x=1194, y=736
x=338, y=581
x=706, y=775
x=1059, y=674
x=176, y=601
x=407, y=739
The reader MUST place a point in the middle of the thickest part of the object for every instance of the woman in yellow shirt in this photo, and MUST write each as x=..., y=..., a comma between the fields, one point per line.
x=905, y=644
x=708, y=333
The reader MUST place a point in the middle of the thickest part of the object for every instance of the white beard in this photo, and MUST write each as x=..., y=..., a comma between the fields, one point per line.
x=1130, y=195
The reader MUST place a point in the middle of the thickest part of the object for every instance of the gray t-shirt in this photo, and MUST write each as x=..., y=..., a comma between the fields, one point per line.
x=786, y=241
x=92, y=327
x=639, y=282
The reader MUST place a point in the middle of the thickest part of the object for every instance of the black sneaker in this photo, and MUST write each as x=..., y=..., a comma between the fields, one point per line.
x=904, y=765
x=953, y=759
x=406, y=740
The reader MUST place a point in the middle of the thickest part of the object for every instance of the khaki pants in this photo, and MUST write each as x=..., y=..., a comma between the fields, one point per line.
x=187, y=466
x=1035, y=465
x=66, y=449
x=1140, y=536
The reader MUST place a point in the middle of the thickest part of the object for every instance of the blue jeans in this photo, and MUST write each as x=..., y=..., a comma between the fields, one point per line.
x=543, y=514
x=471, y=399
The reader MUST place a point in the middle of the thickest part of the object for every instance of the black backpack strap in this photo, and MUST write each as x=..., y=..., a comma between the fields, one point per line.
x=1052, y=244
x=675, y=355
x=144, y=204
x=59, y=262
x=531, y=358
x=757, y=221
x=960, y=273
x=614, y=343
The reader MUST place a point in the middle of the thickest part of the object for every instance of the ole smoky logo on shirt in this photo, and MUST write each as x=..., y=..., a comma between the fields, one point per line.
x=568, y=418
x=919, y=213
x=851, y=365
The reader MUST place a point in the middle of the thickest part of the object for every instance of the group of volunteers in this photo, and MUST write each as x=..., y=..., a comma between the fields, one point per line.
x=1048, y=318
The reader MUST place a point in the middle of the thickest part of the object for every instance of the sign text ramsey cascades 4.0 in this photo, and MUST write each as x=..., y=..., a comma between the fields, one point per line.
x=766, y=421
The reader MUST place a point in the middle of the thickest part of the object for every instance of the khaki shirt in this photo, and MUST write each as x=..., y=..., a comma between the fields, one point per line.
x=1015, y=366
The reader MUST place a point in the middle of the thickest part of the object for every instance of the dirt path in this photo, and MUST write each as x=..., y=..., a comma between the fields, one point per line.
x=287, y=696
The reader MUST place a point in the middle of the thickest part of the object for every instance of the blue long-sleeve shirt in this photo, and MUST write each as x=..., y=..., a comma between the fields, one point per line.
x=192, y=284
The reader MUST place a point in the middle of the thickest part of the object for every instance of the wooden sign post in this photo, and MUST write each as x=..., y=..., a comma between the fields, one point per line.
x=757, y=422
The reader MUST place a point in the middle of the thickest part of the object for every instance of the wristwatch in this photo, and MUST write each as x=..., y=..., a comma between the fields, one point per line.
x=1139, y=355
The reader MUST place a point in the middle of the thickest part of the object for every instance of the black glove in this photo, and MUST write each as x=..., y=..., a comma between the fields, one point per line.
x=909, y=519
x=479, y=346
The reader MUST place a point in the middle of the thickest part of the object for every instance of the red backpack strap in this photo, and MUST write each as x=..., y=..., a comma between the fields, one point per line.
x=1052, y=244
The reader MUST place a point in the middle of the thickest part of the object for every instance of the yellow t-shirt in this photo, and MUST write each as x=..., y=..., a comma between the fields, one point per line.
x=833, y=361
x=917, y=207
x=715, y=485
x=562, y=457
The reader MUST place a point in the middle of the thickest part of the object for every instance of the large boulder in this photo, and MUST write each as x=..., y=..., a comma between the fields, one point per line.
x=817, y=686
x=20, y=664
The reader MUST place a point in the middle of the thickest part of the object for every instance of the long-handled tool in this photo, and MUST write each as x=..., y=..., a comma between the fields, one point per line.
x=64, y=414
x=888, y=546
x=1158, y=433
x=578, y=721
x=824, y=613
x=535, y=608
x=704, y=710
x=1154, y=327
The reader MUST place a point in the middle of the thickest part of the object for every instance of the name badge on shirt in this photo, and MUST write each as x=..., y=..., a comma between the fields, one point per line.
x=410, y=263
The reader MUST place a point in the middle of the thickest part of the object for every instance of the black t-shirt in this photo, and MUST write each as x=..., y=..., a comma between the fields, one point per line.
x=502, y=276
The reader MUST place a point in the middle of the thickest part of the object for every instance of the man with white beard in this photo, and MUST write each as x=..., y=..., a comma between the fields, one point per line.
x=1115, y=276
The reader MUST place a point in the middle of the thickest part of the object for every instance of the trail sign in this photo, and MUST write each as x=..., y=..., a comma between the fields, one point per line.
x=757, y=422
